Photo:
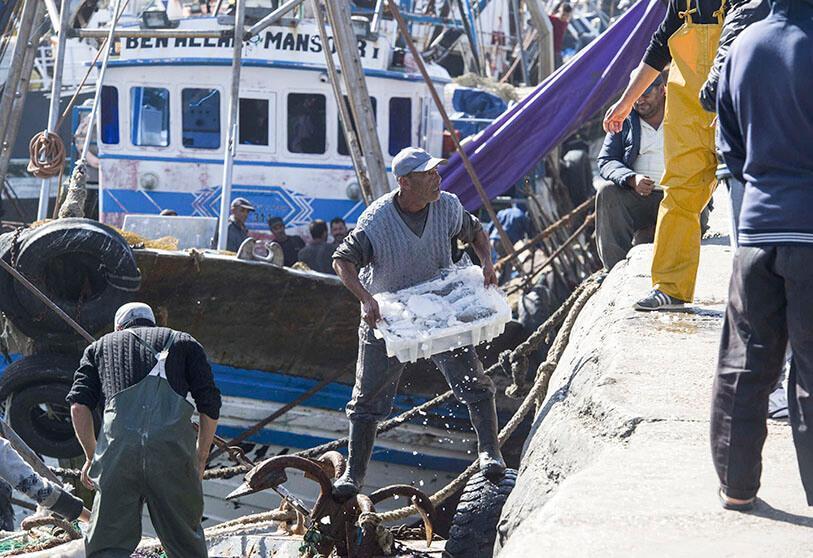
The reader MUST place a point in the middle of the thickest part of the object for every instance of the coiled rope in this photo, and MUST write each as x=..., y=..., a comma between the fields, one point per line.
x=47, y=155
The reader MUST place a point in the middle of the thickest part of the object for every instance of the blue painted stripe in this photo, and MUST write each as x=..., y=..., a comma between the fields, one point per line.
x=386, y=455
x=260, y=63
x=268, y=199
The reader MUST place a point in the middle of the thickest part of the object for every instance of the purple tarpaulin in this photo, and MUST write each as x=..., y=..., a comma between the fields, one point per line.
x=514, y=143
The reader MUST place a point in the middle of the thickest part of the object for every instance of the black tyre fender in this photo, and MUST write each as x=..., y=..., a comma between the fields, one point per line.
x=83, y=266
x=34, y=390
x=9, y=304
x=474, y=526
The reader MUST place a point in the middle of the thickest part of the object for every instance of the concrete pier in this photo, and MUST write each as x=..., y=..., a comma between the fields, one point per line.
x=619, y=462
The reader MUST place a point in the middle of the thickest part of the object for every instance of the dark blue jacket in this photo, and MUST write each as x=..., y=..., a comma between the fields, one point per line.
x=765, y=108
x=619, y=152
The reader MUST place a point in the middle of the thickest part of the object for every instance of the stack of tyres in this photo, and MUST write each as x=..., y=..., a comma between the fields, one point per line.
x=88, y=270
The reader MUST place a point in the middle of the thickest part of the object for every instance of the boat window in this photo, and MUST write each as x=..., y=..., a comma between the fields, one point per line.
x=200, y=118
x=150, y=108
x=253, y=121
x=307, y=118
x=400, y=124
x=110, y=115
x=343, y=149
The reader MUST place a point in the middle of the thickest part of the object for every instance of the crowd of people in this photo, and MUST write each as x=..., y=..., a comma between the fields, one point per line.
x=317, y=254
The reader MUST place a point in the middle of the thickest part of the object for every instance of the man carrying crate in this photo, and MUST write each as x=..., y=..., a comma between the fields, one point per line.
x=402, y=239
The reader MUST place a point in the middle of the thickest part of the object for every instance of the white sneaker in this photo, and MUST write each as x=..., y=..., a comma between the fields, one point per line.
x=778, y=404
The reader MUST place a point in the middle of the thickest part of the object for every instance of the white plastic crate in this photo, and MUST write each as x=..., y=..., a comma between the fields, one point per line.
x=455, y=310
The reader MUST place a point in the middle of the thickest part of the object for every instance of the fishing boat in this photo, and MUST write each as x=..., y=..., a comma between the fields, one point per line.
x=272, y=333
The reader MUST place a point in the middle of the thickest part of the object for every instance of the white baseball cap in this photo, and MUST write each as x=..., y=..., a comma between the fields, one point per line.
x=132, y=311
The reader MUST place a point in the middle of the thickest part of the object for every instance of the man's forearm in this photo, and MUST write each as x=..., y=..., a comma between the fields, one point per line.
x=349, y=276
x=206, y=434
x=483, y=249
x=82, y=418
x=642, y=78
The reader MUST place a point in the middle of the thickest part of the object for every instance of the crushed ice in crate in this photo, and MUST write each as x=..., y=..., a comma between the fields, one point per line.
x=457, y=298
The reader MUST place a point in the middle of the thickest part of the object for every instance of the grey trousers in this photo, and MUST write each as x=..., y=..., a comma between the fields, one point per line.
x=770, y=301
x=619, y=213
x=377, y=378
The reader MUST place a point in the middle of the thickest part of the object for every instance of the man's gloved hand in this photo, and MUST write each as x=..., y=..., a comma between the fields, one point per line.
x=643, y=185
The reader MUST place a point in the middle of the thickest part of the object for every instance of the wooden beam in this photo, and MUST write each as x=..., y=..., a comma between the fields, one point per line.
x=350, y=135
x=338, y=12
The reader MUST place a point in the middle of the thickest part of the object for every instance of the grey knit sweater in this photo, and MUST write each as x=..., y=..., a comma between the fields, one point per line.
x=402, y=258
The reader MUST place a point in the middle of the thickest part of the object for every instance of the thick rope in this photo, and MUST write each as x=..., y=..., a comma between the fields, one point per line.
x=536, y=394
x=40, y=545
x=46, y=155
x=50, y=521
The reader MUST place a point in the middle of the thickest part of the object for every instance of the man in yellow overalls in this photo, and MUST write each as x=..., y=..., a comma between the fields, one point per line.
x=687, y=38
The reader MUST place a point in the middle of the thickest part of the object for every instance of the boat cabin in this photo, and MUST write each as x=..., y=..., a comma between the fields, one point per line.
x=164, y=105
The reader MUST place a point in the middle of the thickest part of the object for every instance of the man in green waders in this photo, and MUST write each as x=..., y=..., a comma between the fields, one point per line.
x=146, y=451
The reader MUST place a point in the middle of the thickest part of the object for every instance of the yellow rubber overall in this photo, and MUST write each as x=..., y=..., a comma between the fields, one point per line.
x=689, y=157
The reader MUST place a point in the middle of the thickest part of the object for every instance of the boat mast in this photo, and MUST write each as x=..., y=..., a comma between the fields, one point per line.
x=232, y=130
x=544, y=37
x=338, y=12
x=349, y=133
x=53, y=109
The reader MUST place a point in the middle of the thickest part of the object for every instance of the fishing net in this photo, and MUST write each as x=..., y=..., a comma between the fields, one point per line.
x=138, y=241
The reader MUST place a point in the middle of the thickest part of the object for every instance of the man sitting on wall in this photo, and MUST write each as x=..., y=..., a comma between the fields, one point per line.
x=631, y=161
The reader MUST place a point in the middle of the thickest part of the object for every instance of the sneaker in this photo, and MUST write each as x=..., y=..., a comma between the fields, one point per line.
x=778, y=404
x=658, y=300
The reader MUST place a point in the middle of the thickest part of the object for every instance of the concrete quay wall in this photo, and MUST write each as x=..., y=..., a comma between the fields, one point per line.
x=618, y=460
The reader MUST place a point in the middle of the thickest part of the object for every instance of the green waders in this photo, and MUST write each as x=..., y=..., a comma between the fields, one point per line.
x=146, y=453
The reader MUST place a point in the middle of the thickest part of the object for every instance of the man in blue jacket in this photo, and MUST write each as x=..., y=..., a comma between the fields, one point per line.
x=632, y=162
x=765, y=109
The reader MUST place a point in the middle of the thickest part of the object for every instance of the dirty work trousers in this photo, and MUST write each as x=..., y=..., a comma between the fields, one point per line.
x=770, y=301
x=619, y=213
x=377, y=378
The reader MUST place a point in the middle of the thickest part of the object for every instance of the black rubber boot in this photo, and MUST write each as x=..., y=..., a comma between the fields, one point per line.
x=483, y=416
x=359, y=449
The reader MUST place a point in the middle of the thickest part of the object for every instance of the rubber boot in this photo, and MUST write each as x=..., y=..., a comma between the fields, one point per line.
x=359, y=449
x=484, y=420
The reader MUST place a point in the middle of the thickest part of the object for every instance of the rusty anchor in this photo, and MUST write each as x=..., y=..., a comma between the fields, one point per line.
x=351, y=528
